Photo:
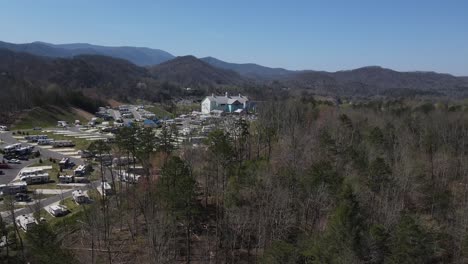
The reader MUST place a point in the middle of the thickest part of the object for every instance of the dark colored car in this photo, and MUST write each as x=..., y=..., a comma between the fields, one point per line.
x=21, y=197
x=1, y=172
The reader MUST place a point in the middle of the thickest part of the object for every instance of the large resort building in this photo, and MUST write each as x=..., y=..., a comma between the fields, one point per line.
x=226, y=103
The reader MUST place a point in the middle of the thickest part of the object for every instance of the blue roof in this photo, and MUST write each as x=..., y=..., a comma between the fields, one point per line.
x=149, y=122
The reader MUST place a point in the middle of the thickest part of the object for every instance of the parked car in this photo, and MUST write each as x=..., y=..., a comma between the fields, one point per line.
x=14, y=161
x=1, y=172
x=37, y=128
x=21, y=197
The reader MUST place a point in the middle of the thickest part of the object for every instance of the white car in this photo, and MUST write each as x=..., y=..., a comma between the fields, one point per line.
x=14, y=161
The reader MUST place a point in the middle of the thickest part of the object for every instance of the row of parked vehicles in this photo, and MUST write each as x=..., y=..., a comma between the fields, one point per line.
x=45, y=140
x=16, y=152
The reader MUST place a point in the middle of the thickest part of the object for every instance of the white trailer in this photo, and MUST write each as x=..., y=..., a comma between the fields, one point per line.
x=58, y=210
x=12, y=147
x=64, y=162
x=80, y=171
x=128, y=177
x=25, y=222
x=62, y=143
x=65, y=179
x=104, y=189
x=62, y=123
x=36, y=178
x=13, y=188
x=80, y=197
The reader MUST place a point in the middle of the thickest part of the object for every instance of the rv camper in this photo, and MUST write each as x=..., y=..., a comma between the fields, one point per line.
x=45, y=141
x=62, y=123
x=65, y=163
x=80, y=171
x=129, y=177
x=35, y=138
x=11, y=148
x=80, y=197
x=58, y=210
x=65, y=179
x=34, y=175
x=104, y=189
x=62, y=143
x=26, y=222
x=13, y=188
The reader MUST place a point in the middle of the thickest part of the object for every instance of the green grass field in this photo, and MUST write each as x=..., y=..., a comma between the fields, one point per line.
x=159, y=111
x=45, y=117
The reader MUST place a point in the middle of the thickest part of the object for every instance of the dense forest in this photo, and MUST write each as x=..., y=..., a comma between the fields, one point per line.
x=306, y=182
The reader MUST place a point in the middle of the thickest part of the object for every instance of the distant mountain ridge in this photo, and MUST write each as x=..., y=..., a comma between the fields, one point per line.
x=138, y=56
x=209, y=72
x=249, y=69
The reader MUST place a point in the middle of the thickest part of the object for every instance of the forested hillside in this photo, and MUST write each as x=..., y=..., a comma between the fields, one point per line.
x=27, y=81
x=382, y=182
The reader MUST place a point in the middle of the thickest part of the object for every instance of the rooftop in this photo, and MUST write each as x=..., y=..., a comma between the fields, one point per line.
x=228, y=99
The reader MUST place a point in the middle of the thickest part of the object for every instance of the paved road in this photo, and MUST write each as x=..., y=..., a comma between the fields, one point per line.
x=10, y=174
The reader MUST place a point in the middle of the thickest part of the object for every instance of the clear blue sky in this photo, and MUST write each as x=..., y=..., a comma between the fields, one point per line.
x=302, y=34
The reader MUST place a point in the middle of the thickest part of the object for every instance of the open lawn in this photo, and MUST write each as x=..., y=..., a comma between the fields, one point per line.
x=159, y=111
x=74, y=209
x=47, y=117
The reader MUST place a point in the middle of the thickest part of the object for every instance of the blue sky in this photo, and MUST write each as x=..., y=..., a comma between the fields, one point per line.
x=295, y=34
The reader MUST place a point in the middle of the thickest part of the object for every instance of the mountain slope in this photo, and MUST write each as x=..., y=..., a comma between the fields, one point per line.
x=374, y=80
x=190, y=71
x=136, y=55
x=28, y=81
x=35, y=48
x=249, y=69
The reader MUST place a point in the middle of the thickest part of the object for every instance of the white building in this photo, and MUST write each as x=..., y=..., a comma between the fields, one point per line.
x=226, y=103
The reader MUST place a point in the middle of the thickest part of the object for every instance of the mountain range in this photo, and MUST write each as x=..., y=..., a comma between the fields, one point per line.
x=136, y=55
x=87, y=66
